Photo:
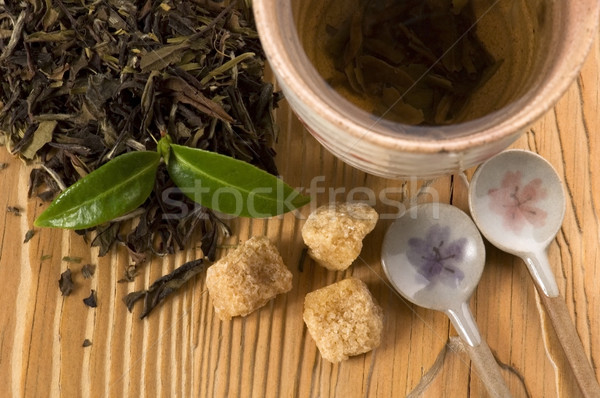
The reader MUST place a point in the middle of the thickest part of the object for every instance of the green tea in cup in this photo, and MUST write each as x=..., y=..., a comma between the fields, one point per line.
x=425, y=62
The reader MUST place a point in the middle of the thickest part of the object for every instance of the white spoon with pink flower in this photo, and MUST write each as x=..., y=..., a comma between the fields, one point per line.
x=517, y=201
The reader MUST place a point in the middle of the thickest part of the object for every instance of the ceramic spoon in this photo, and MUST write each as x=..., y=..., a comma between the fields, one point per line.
x=517, y=201
x=433, y=255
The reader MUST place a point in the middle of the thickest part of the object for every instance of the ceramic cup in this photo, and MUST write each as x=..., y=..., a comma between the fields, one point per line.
x=542, y=43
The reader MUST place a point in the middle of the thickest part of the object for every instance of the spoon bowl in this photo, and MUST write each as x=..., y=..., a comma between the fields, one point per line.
x=434, y=256
x=517, y=201
x=519, y=192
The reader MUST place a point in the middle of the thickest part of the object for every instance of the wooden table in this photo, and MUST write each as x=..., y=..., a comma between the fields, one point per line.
x=183, y=350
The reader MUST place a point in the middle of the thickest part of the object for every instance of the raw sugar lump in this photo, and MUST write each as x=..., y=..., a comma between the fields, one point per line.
x=334, y=233
x=343, y=319
x=247, y=278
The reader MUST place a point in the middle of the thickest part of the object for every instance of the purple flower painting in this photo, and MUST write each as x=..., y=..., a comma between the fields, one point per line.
x=435, y=257
x=516, y=202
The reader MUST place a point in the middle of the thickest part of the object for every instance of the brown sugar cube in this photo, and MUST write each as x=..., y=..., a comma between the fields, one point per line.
x=247, y=278
x=343, y=319
x=334, y=233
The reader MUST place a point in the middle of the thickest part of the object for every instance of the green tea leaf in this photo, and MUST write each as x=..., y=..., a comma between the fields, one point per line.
x=110, y=191
x=229, y=185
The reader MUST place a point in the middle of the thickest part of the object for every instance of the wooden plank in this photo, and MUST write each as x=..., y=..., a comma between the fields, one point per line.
x=184, y=350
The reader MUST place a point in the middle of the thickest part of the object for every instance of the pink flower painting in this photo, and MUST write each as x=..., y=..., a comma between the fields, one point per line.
x=516, y=202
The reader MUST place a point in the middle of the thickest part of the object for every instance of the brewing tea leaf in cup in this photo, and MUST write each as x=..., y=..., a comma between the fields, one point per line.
x=413, y=61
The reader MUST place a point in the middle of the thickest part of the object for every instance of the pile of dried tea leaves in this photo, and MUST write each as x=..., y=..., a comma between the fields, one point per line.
x=82, y=82
x=417, y=61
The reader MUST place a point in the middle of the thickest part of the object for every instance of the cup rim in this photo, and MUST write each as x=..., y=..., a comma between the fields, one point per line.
x=580, y=26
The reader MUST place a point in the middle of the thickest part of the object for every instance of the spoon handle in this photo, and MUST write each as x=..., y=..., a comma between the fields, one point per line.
x=486, y=366
x=569, y=340
x=488, y=370
x=539, y=267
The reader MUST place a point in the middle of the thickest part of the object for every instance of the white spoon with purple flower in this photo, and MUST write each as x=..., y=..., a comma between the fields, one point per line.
x=518, y=203
x=433, y=255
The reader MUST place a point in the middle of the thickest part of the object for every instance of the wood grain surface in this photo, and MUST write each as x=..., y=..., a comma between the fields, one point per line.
x=183, y=350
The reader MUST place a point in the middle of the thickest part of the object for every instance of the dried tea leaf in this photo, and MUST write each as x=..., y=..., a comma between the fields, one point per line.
x=16, y=35
x=106, y=237
x=50, y=17
x=101, y=72
x=62, y=35
x=100, y=88
x=187, y=94
x=161, y=58
x=70, y=259
x=80, y=167
x=131, y=271
x=41, y=136
x=302, y=259
x=226, y=67
x=91, y=300
x=86, y=343
x=88, y=271
x=28, y=235
x=164, y=286
x=130, y=299
x=147, y=99
x=14, y=210
x=65, y=283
